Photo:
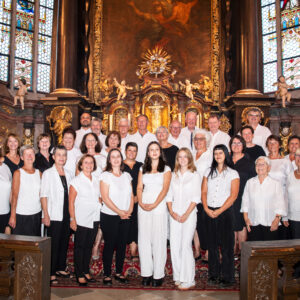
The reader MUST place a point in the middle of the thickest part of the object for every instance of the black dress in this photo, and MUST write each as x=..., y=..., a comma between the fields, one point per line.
x=170, y=155
x=12, y=166
x=246, y=169
x=255, y=152
x=41, y=163
x=133, y=231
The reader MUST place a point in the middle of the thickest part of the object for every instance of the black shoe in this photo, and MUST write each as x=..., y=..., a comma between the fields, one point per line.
x=81, y=283
x=91, y=279
x=213, y=280
x=157, y=282
x=107, y=281
x=146, y=281
x=226, y=284
x=121, y=278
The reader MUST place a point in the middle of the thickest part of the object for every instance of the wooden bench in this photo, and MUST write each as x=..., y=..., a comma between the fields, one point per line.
x=259, y=270
x=25, y=267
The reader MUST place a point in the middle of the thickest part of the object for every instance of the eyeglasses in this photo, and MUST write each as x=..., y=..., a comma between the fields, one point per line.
x=256, y=116
x=237, y=144
x=199, y=139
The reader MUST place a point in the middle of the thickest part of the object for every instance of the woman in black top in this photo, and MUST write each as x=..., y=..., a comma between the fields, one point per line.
x=12, y=158
x=245, y=166
x=169, y=150
x=132, y=167
x=43, y=159
x=254, y=151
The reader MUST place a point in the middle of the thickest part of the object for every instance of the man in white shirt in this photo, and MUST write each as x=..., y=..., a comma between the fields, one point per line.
x=85, y=121
x=96, y=127
x=124, y=125
x=188, y=131
x=217, y=136
x=175, y=138
x=142, y=137
x=261, y=133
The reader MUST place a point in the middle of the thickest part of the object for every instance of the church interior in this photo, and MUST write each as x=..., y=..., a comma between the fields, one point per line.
x=163, y=58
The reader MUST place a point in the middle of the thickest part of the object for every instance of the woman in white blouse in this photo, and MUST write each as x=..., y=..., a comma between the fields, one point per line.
x=202, y=160
x=220, y=187
x=263, y=203
x=184, y=195
x=153, y=185
x=25, y=218
x=5, y=187
x=117, y=196
x=55, y=205
x=112, y=141
x=84, y=209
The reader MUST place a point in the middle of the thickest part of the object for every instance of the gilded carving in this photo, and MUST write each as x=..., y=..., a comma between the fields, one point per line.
x=28, y=274
x=59, y=119
x=285, y=132
x=28, y=136
x=225, y=124
x=8, y=109
x=262, y=278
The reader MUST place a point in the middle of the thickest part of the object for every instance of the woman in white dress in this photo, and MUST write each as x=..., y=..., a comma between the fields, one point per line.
x=117, y=196
x=84, y=209
x=202, y=159
x=153, y=185
x=183, y=197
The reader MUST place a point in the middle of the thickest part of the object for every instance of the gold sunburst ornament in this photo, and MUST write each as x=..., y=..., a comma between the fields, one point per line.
x=156, y=62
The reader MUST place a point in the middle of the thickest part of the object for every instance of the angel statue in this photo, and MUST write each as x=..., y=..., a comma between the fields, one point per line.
x=21, y=92
x=282, y=90
x=122, y=87
x=188, y=88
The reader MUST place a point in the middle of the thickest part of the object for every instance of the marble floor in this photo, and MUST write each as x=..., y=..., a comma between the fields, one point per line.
x=140, y=294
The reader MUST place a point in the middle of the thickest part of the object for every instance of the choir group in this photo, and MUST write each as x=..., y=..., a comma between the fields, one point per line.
x=186, y=185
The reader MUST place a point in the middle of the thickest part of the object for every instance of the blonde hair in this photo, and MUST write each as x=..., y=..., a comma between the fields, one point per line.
x=191, y=165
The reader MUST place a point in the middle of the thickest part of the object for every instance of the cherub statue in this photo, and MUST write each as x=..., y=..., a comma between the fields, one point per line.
x=282, y=90
x=122, y=87
x=21, y=92
x=188, y=88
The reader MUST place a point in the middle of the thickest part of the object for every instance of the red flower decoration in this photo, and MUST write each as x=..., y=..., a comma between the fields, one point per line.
x=291, y=60
x=23, y=61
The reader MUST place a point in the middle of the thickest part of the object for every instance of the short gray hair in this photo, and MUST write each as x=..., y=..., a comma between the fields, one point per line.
x=94, y=119
x=162, y=127
x=266, y=160
x=24, y=148
x=124, y=120
x=205, y=133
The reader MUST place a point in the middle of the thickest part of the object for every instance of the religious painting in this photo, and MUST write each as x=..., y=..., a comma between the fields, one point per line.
x=181, y=27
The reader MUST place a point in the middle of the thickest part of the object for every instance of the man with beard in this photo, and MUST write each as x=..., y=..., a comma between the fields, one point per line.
x=85, y=121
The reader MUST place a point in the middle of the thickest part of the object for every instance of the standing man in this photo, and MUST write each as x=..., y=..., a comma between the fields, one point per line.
x=124, y=125
x=261, y=133
x=175, y=138
x=96, y=127
x=85, y=122
x=217, y=136
x=142, y=137
x=187, y=133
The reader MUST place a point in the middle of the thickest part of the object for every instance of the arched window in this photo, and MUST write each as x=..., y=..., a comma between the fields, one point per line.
x=281, y=42
x=25, y=42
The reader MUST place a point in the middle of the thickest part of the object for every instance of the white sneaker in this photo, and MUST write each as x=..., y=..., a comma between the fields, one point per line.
x=177, y=282
x=186, y=285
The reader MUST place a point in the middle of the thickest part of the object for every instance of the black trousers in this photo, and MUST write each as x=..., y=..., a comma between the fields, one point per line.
x=3, y=222
x=133, y=231
x=262, y=233
x=201, y=228
x=83, y=244
x=221, y=235
x=294, y=229
x=59, y=231
x=115, y=235
x=28, y=225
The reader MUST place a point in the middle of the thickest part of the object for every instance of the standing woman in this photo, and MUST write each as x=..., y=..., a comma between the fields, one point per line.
x=55, y=205
x=25, y=218
x=43, y=159
x=245, y=166
x=12, y=158
x=220, y=187
x=113, y=140
x=133, y=167
x=153, y=185
x=116, y=192
x=185, y=193
x=84, y=209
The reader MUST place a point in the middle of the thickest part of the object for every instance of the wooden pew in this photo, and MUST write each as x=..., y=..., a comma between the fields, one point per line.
x=25, y=267
x=259, y=270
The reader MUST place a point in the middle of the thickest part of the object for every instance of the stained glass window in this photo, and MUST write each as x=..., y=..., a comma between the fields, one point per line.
x=290, y=40
x=44, y=45
x=5, y=26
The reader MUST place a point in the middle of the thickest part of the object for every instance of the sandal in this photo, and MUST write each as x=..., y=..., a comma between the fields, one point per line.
x=63, y=275
x=107, y=281
x=135, y=258
x=53, y=281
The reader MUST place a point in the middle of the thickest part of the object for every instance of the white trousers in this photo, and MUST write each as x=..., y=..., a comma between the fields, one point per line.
x=152, y=242
x=181, y=238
